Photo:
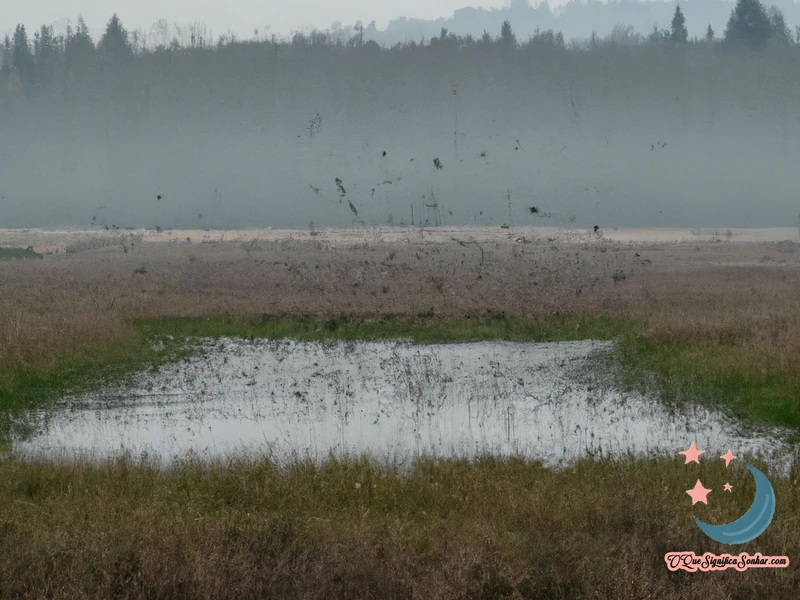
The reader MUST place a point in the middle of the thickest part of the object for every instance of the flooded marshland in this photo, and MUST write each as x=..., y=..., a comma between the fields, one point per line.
x=390, y=400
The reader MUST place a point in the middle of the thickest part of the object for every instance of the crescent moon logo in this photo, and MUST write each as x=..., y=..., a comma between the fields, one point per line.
x=752, y=523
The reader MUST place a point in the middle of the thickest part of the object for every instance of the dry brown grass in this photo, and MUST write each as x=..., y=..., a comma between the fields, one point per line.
x=493, y=529
x=70, y=302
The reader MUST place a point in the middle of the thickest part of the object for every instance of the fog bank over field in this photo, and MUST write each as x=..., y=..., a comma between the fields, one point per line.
x=283, y=134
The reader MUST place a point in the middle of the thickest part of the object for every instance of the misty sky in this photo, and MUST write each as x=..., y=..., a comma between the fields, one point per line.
x=240, y=16
x=299, y=135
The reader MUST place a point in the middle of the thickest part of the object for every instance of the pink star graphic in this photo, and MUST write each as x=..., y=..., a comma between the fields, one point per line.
x=698, y=493
x=692, y=454
x=728, y=457
x=728, y=487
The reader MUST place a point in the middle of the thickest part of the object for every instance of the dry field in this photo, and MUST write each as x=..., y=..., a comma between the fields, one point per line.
x=714, y=288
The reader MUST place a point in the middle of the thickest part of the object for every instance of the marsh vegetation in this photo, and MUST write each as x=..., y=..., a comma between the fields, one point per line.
x=714, y=323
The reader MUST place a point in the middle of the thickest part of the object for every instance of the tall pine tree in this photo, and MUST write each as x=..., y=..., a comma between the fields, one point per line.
x=22, y=57
x=46, y=50
x=679, y=33
x=749, y=25
x=507, y=36
x=79, y=45
x=115, y=39
x=6, y=63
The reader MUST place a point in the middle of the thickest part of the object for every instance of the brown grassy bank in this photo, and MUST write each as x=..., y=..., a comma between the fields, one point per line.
x=493, y=529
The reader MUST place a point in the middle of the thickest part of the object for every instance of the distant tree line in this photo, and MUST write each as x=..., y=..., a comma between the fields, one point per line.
x=29, y=64
x=750, y=26
x=576, y=19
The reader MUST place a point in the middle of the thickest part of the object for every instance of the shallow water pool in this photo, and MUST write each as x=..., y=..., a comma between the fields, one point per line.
x=389, y=400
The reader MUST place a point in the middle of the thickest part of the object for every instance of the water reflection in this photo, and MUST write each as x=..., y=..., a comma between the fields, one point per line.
x=392, y=401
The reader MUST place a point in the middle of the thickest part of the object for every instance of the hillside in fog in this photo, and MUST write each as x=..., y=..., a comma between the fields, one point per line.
x=574, y=18
x=621, y=130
